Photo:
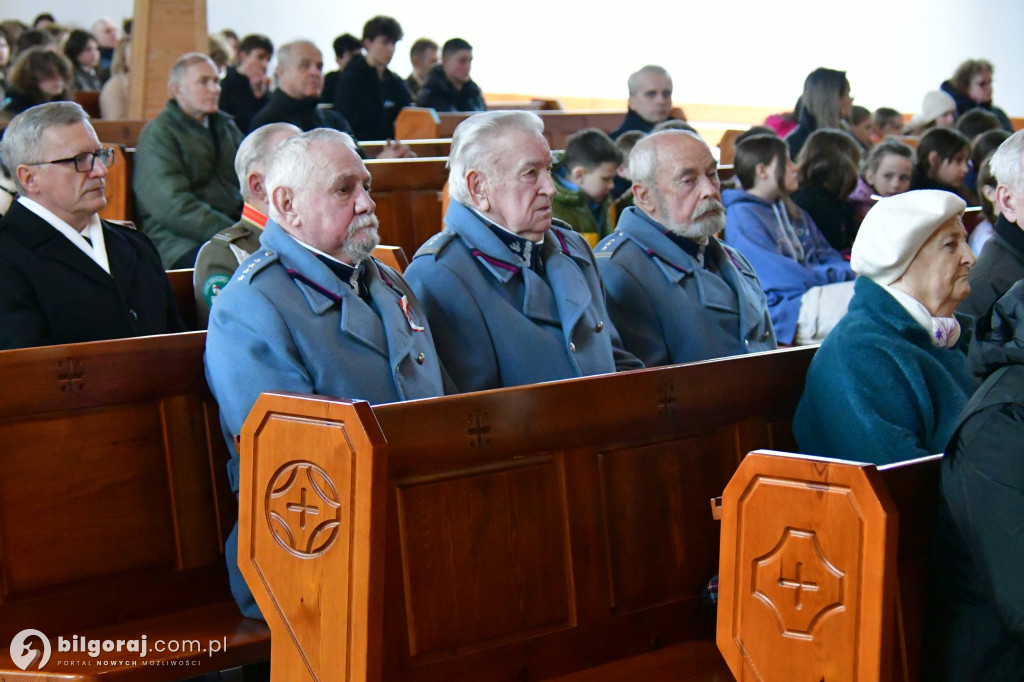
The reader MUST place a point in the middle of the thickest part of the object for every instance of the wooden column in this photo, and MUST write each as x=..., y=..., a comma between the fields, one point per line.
x=162, y=31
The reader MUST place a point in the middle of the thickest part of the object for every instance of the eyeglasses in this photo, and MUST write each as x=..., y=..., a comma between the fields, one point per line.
x=85, y=161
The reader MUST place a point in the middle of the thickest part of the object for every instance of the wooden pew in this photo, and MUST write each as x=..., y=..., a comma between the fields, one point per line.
x=123, y=131
x=120, y=200
x=183, y=287
x=419, y=122
x=438, y=147
x=408, y=197
x=516, y=534
x=114, y=508
x=824, y=568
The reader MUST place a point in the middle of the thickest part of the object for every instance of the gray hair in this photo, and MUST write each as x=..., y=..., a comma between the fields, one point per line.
x=255, y=152
x=284, y=53
x=24, y=136
x=643, y=160
x=472, y=141
x=633, y=84
x=1007, y=162
x=177, y=74
x=293, y=166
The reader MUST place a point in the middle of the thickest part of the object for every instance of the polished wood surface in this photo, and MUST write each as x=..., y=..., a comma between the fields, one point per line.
x=123, y=131
x=824, y=568
x=115, y=506
x=524, y=533
x=408, y=197
x=418, y=122
x=118, y=185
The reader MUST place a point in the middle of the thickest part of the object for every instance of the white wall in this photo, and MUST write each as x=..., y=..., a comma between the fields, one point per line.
x=741, y=52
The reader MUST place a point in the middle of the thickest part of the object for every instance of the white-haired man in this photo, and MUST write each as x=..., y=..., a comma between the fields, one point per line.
x=677, y=293
x=184, y=178
x=1001, y=262
x=221, y=256
x=511, y=298
x=65, y=274
x=312, y=311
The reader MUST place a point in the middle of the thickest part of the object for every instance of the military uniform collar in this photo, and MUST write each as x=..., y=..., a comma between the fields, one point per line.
x=486, y=246
x=253, y=215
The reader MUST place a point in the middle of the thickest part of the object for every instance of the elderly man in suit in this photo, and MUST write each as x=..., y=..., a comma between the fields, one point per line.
x=674, y=290
x=311, y=311
x=513, y=298
x=65, y=274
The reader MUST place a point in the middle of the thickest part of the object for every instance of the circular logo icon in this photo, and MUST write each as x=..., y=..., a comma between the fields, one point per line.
x=303, y=509
x=212, y=286
x=30, y=649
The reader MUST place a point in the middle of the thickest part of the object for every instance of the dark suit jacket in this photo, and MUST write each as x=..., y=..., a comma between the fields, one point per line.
x=52, y=293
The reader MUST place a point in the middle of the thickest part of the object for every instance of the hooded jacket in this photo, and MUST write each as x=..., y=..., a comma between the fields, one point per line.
x=977, y=606
x=789, y=255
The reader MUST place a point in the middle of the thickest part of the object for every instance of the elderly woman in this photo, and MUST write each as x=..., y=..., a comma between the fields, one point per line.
x=889, y=381
x=971, y=86
x=977, y=600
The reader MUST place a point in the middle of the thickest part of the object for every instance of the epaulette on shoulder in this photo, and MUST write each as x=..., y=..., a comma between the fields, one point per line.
x=232, y=234
x=610, y=244
x=254, y=264
x=435, y=245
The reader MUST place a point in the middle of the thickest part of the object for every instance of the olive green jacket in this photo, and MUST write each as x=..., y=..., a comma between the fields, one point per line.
x=184, y=180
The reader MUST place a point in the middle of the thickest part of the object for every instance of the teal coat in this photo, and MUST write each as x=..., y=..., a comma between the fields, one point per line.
x=877, y=390
x=184, y=180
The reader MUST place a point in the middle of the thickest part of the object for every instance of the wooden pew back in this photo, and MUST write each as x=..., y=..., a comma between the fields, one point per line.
x=824, y=567
x=123, y=131
x=528, y=532
x=114, y=502
x=408, y=197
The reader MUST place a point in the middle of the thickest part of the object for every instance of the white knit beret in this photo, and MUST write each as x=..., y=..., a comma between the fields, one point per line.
x=896, y=227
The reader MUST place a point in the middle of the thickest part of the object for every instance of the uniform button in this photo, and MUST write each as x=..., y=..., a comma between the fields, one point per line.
x=135, y=315
x=746, y=342
x=767, y=335
x=600, y=325
x=572, y=347
x=421, y=358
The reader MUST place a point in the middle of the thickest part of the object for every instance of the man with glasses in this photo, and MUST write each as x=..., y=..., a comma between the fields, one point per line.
x=65, y=274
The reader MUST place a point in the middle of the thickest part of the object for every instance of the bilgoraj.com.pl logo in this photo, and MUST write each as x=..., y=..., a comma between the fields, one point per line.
x=31, y=650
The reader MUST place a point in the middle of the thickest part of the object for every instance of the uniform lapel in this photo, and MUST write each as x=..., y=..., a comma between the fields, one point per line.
x=44, y=239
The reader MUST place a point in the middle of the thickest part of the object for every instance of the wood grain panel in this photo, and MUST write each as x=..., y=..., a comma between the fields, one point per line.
x=656, y=520
x=93, y=496
x=485, y=556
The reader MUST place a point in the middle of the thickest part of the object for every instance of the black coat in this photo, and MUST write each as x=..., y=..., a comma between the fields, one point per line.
x=238, y=99
x=440, y=95
x=965, y=103
x=999, y=266
x=52, y=293
x=370, y=104
x=306, y=114
x=976, y=622
x=833, y=216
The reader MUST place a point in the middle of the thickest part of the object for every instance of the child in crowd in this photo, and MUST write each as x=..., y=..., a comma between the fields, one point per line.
x=976, y=121
x=827, y=174
x=885, y=171
x=624, y=199
x=938, y=110
x=987, y=184
x=885, y=123
x=808, y=283
x=942, y=156
x=983, y=145
x=861, y=127
x=583, y=183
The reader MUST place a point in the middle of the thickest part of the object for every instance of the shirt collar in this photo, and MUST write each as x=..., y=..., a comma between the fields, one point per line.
x=253, y=215
x=528, y=250
x=95, y=248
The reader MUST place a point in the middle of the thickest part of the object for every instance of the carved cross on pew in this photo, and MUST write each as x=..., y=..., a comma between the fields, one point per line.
x=667, y=402
x=798, y=585
x=71, y=379
x=302, y=508
x=479, y=430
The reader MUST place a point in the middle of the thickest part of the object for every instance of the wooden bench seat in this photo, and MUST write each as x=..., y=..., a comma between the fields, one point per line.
x=517, y=534
x=824, y=568
x=114, y=506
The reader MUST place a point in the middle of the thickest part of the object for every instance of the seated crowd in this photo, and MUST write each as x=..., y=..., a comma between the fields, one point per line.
x=624, y=250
